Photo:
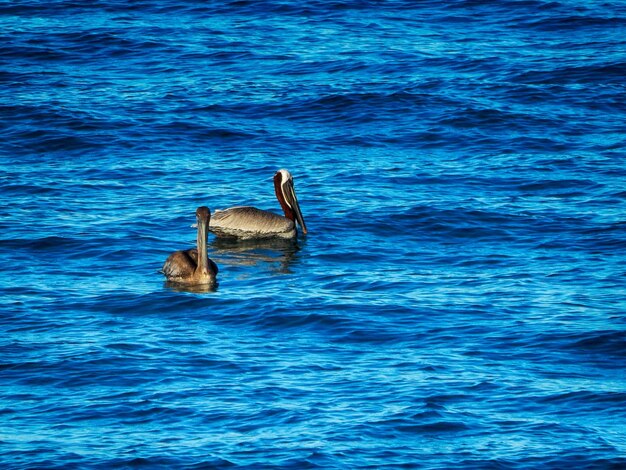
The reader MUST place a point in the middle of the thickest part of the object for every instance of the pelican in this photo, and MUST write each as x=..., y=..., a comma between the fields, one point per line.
x=251, y=223
x=193, y=267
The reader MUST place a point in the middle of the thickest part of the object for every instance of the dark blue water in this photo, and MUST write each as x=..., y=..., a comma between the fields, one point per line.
x=459, y=301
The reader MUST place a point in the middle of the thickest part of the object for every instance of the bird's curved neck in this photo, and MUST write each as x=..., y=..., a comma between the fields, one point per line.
x=281, y=198
x=203, y=261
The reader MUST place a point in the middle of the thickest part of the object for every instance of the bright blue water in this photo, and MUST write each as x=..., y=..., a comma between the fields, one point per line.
x=459, y=301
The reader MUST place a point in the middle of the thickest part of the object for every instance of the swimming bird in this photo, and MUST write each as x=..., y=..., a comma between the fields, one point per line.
x=251, y=223
x=192, y=267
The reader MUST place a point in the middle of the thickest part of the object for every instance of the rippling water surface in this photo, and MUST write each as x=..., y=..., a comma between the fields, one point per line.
x=459, y=301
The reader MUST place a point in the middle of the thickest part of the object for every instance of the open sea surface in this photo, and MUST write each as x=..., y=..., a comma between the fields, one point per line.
x=459, y=301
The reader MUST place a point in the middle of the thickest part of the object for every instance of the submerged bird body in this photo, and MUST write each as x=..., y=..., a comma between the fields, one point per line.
x=193, y=266
x=251, y=223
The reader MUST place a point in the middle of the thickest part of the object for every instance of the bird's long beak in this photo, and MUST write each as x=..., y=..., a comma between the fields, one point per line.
x=295, y=205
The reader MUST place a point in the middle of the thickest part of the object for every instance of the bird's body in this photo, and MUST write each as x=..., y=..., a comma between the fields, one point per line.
x=249, y=222
x=181, y=265
x=192, y=267
x=246, y=222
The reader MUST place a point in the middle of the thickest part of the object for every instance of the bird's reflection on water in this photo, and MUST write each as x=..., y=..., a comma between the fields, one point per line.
x=194, y=289
x=277, y=255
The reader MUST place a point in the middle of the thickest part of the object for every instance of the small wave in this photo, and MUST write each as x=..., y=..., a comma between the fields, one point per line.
x=34, y=53
x=49, y=243
x=459, y=223
x=439, y=427
x=165, y=462
x=596, y=345
x=609, y=342
x=587, y=399
x=550, y=185
x=205, y=132
x=566, y=23
x=600, y=73
x=496, y=120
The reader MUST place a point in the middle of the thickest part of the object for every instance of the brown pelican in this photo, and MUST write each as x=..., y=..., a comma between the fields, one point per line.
x=249, y=222
x=192, y=267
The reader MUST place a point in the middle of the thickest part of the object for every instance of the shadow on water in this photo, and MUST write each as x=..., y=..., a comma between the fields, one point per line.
x=192, y=289
x=275, y=252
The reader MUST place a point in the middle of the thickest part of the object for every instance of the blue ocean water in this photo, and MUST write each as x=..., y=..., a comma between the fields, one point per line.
x=459, y=301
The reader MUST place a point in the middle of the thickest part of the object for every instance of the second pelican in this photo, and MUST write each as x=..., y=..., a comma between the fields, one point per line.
x=193, y=267
x=249, y=222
